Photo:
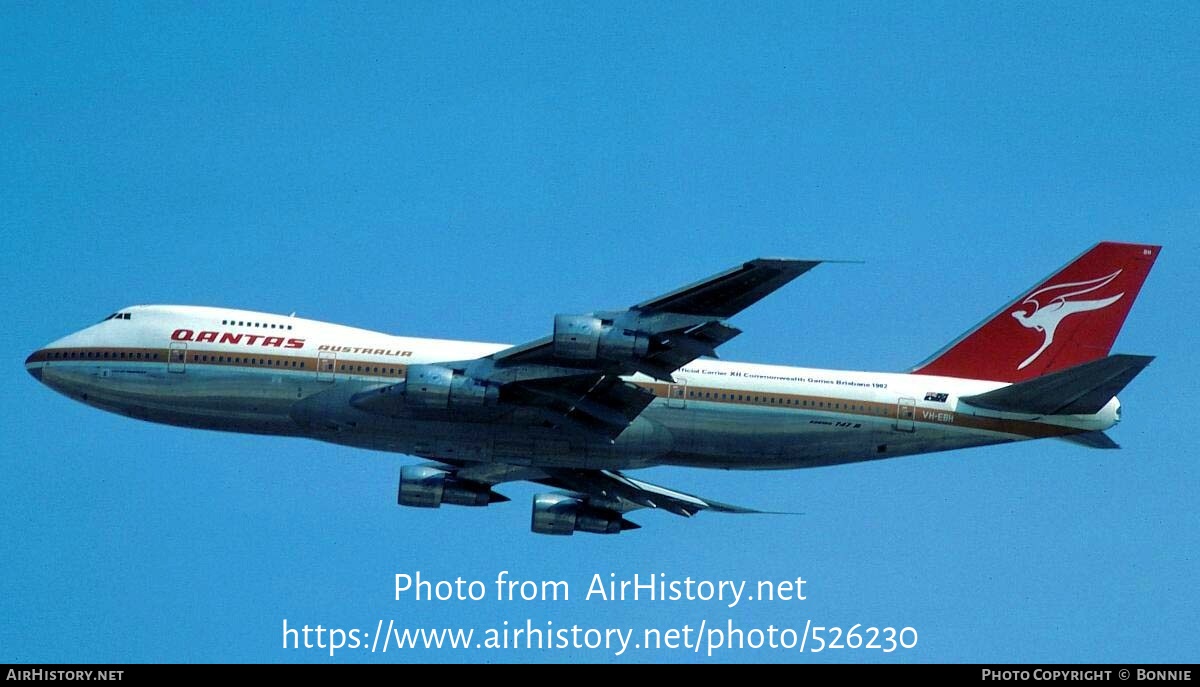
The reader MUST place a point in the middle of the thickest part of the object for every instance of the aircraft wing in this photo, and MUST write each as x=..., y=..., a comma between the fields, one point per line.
x=678, y=327
x=612, y=490
x=573, y=377
x=607, y=490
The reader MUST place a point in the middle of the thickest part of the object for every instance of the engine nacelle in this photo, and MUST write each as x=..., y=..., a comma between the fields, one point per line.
x=566, y=515
x=435, y=386
x=584, y=337
x=423, y=486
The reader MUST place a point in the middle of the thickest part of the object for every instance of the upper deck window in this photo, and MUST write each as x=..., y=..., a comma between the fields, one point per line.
x=252, y=323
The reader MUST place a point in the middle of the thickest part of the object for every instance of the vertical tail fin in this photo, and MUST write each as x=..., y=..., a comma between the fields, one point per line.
x=1071, y=318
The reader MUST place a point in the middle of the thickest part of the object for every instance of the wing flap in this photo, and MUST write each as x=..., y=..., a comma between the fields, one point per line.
x=606, y=405
x=617, y=492
x=693, y=343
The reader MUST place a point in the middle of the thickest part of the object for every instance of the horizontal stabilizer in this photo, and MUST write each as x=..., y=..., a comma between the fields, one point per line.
x=1092, y=440
x=1081, y=390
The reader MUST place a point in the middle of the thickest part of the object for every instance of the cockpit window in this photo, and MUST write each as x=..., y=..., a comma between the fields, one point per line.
x=116, y=316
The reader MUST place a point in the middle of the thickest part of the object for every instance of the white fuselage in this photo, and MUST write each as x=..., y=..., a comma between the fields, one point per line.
x=244, y=371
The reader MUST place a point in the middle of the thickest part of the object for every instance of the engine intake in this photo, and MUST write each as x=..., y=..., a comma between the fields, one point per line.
x=585, y=337
x=565, y=515
x=424, y=486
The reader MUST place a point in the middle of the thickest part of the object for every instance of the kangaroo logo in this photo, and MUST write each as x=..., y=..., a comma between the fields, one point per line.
x=1046, y=318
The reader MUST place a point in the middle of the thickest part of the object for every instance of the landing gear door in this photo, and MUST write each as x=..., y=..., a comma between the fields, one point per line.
x=177, y=357
x=326, y=366
x=906, y=413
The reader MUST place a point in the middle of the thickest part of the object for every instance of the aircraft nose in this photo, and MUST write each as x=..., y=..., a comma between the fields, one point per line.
x=33, y=365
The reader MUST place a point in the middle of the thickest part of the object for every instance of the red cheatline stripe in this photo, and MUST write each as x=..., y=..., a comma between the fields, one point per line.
x=774, y=400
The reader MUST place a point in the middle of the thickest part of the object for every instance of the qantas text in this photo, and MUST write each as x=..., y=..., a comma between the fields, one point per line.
x=231, y=338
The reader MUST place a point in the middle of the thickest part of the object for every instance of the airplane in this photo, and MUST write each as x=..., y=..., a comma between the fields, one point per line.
x=609, y=392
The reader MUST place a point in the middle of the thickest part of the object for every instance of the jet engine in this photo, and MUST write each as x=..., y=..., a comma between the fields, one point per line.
x=584, y=337
x=435, y=386
x=425, y=486
x=563, y=514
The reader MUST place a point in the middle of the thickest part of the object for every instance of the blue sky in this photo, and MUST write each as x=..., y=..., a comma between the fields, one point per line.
x=468, y=170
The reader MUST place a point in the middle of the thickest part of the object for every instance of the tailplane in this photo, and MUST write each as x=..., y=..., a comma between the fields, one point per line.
x=1071, y=318
x=1092, y=440
x=1081, y=390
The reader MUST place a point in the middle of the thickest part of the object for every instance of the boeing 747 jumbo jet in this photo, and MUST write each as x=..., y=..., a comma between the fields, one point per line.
x=612, y=391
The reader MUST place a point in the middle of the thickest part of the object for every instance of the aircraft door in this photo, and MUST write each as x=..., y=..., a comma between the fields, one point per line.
x=326, y=366
x=677, y=395
x=906, y=413
x=177, y=357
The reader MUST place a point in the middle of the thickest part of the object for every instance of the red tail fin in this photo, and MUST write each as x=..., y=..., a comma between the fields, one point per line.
x=1070, y=318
